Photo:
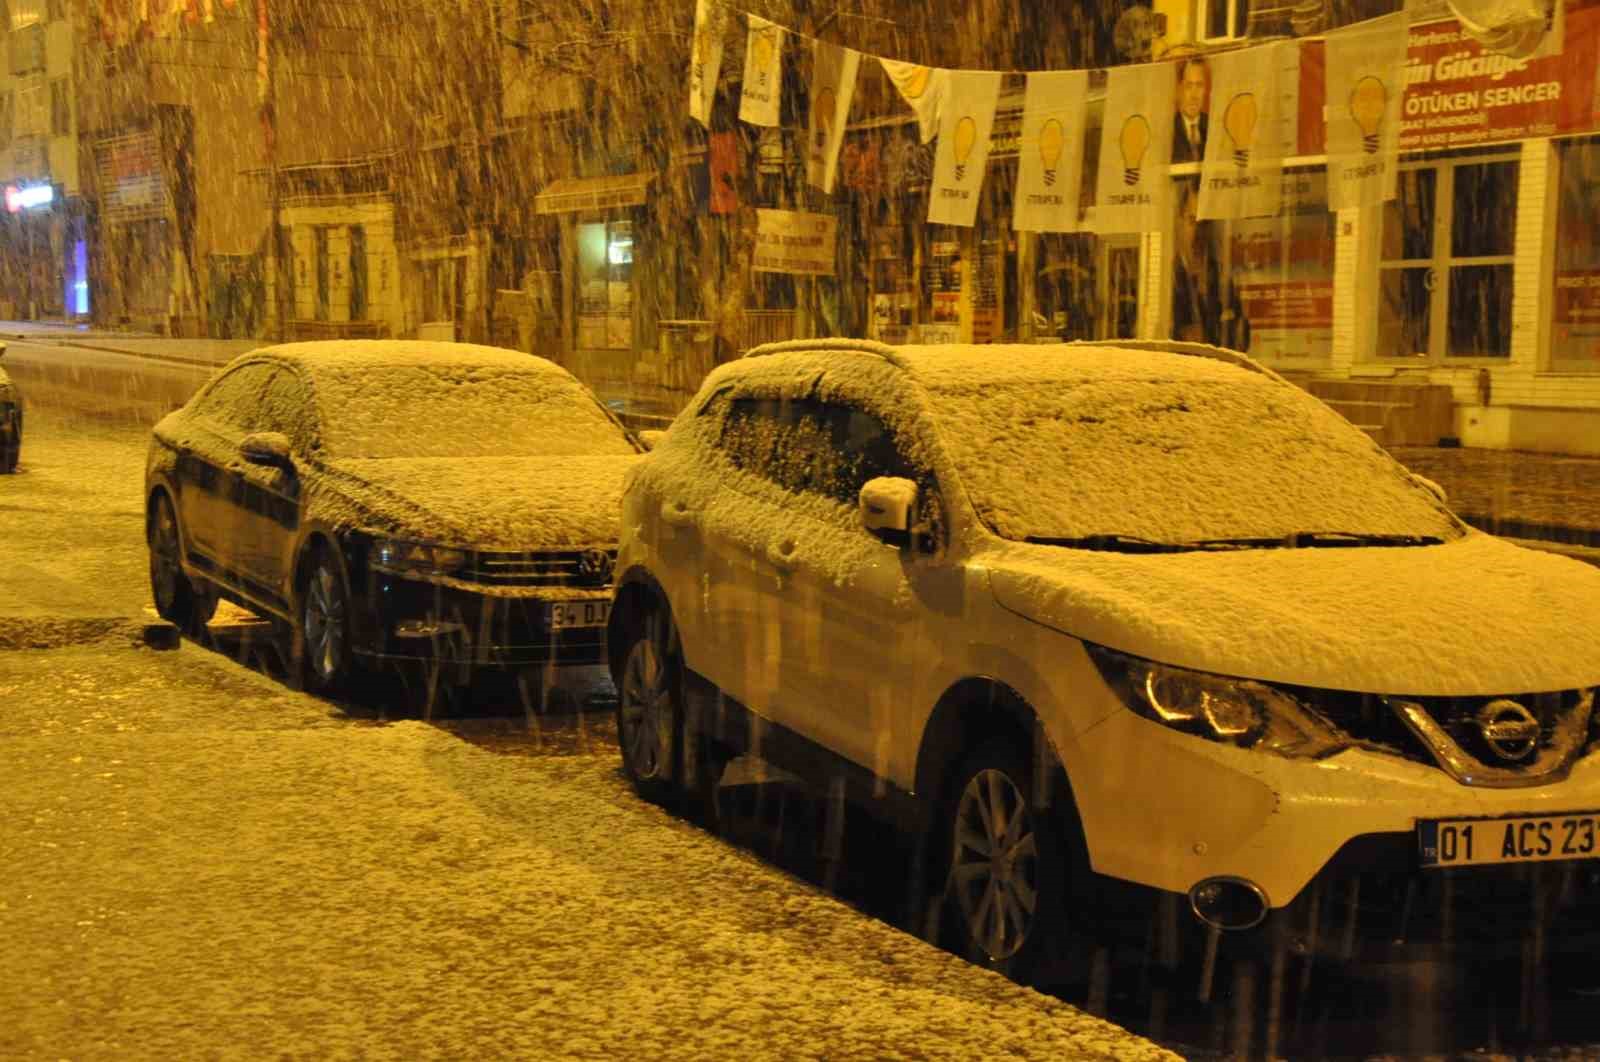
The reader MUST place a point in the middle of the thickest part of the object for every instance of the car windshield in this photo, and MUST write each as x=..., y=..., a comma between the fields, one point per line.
x=452, y=410
x=1173, y=450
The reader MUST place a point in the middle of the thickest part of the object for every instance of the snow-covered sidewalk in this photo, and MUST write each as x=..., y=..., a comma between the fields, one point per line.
x=202, y=863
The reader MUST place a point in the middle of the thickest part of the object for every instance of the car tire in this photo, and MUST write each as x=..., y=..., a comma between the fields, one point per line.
x=176, y=599
x=11, y=451
x=650, y=715
x=1005, y=864
x=321, y=656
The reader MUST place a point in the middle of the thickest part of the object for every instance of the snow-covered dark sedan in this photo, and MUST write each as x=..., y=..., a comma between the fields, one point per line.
x=392, y=500
x=10, y=421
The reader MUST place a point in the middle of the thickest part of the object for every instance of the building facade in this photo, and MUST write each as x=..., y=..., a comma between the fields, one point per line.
x=44, y=264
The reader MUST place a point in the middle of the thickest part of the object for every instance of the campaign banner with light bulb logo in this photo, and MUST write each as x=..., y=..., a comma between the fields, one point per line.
x=833, y=84
x=923, y=88
x=1132, y=189
x=962, y=156
x=1365, y=82
x=705, y=58
x=762, y=90
x=1050, y=152
x=1241, y=173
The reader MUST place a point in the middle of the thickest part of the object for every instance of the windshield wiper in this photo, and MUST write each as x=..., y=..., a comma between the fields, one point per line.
x=1317, y=539
x=1239, y=543
x=1113, y=543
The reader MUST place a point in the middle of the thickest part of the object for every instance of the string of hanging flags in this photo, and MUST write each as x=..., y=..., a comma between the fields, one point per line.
x=1238, y=114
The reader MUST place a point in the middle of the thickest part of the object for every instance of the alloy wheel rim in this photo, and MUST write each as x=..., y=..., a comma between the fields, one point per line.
x=324, y=623
x=164, y=558
x=645, y=711
x=995, y=866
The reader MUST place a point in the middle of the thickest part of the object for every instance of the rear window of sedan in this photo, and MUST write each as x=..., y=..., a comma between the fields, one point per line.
x=381, y=411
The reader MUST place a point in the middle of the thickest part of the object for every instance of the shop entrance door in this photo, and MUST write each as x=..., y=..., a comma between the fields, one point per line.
x=1445, y=260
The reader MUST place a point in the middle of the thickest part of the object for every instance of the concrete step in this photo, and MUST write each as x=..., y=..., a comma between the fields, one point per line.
x=1405, y=412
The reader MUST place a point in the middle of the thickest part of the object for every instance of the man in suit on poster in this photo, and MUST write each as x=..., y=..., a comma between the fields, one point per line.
x=1194, y=98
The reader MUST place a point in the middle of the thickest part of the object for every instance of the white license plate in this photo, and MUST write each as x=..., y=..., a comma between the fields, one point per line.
x=1523, y=839
x=565, y=615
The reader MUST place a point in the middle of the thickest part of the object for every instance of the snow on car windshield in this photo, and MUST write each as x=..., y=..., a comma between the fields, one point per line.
x=1061, y=443
x=459, y=410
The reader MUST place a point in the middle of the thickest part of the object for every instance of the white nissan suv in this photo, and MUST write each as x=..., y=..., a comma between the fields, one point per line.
x=1079, y=613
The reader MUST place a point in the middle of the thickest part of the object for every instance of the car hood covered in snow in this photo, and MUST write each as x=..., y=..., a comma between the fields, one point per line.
x=511, y=503
x=1477, y=616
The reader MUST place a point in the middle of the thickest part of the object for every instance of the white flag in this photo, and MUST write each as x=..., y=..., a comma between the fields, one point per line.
x=963, y=153
x=833, y=83
x=705, y=58
x=1132, y=187
x=923, y=88
x=1050, y=152
x=1365, y=83
x=1248, y=136
x=763, y=73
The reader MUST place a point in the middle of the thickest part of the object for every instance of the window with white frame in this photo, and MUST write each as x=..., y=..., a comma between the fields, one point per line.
x=1222, y=20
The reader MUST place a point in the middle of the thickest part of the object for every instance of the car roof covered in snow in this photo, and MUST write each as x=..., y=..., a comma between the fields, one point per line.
x=400, y=352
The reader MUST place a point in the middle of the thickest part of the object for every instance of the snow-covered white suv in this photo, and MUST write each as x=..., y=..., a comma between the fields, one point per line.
x=1140, y=608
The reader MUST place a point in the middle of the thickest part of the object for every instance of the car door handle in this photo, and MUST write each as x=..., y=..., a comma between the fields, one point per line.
x=676, y=514
x=784, y=554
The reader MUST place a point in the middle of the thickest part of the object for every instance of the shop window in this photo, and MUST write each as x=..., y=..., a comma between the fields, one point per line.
x=1445, y=270
x=605, y=279
x=1281, y=270
x=942, y=272
x=1575, y=306
x=319, y=253
x=358, y=273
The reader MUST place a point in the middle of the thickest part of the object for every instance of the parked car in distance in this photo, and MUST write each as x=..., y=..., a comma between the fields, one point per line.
x=1086, y=614
x=392, y=501
x=10, y=420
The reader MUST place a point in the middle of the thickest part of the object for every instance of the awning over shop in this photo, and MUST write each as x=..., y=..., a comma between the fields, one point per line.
x=593, y=193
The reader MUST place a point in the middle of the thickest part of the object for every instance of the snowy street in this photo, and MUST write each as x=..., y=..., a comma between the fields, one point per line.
x=201, y=861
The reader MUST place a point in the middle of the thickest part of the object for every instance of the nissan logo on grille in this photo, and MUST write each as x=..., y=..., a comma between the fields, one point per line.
x=1509, y=729
x=594, y=566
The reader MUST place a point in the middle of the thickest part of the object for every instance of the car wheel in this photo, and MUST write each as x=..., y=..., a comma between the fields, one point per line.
x=649, y=710
x=175, y=597
x=322, y=627
x=1006, y=883
x=11, y=450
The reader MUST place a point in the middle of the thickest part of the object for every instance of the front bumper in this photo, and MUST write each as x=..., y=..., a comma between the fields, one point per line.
x=1168, y=810
x=417, y=619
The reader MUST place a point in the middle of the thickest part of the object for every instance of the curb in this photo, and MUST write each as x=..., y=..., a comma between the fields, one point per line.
x=1585, y=554
x=1579, y=538
x=177, y=359
x=61, y=632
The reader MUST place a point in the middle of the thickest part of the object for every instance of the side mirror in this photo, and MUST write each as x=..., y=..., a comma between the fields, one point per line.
x=651, y=438
x=266, y=448
x=886, y=505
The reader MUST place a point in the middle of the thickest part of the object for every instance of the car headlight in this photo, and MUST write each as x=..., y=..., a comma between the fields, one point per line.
x=417, y=556
x=1241, y=712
